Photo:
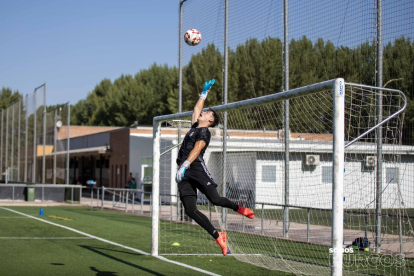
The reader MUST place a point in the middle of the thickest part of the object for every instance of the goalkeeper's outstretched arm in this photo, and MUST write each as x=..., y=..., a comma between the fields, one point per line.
x=198, y=108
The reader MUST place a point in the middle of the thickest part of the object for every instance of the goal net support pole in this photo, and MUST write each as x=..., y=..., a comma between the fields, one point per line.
x=338, y=175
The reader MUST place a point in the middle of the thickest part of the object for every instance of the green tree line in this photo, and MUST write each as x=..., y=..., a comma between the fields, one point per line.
x=255, y=69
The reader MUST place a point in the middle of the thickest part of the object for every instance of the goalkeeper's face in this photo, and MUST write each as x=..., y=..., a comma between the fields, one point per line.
x=206, y=118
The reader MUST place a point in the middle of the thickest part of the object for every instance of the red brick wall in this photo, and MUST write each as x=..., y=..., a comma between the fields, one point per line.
x=119, y=160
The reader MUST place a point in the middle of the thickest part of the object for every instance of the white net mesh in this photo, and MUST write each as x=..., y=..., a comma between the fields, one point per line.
x=254, y=177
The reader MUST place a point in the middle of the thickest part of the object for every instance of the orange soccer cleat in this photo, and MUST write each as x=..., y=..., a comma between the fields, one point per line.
x=246, y=212
x=222, y=241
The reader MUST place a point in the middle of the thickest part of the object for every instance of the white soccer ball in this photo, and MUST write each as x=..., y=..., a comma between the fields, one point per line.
x=192, y=37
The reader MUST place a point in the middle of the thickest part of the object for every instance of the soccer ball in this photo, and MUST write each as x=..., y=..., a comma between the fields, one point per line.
x=192, y=37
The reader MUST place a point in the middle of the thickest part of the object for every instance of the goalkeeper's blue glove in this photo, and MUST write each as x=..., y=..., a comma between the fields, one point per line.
x=181, y=171
x=207, y=87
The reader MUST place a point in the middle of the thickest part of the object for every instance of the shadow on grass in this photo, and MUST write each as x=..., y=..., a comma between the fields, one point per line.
x=102, y=273
x=108, y=273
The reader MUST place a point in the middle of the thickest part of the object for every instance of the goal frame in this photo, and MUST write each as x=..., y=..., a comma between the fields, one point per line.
x=338, y=90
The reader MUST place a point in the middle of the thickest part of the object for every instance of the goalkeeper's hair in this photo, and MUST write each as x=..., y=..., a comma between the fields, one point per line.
x=216, y=118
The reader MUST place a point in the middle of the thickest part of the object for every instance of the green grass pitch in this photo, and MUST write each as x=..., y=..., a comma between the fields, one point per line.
x=32, y=247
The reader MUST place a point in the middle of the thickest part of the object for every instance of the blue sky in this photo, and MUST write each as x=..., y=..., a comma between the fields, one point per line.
x=73, y=45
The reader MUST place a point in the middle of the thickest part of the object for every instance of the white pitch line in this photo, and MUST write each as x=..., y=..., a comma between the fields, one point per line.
x=44, y=238
x=209, y=254
x=13, y=218
x=114, y=243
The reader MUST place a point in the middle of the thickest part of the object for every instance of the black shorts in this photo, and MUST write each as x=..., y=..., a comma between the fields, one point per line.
x=196, y=177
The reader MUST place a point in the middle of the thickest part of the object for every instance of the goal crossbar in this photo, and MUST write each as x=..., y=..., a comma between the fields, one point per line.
x=286, y=95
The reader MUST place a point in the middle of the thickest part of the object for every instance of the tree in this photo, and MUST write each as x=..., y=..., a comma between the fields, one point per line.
x=8, y=97
x=206, y=65
x=255, y=69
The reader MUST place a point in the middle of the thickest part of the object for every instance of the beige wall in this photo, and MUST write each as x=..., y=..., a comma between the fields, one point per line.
x=76, y=131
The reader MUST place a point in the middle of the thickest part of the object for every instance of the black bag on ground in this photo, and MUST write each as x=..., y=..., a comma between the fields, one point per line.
x=361, y=243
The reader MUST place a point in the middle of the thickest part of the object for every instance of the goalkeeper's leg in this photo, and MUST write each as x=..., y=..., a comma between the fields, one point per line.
x=214, y=197
x=190, y=206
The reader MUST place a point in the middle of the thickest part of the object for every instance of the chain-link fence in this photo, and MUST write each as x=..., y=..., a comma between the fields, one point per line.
x=256, y=48
x=32, y=149
x=368, y=42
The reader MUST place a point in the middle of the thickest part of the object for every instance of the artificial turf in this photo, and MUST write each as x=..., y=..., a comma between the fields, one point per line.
x=33, y=247
x=45, y=249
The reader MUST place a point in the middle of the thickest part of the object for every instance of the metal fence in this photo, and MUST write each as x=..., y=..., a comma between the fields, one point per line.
x=128, y=200
x=253, y=48
x=41, y=192
x=33, y=149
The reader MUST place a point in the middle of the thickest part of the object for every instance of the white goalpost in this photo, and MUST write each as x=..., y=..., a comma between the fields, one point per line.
x=331, y=187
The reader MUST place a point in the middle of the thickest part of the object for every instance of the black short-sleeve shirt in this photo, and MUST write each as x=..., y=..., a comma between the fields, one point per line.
x=195, y=134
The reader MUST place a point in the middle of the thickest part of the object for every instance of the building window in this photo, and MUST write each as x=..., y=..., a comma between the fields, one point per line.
x=392, y=175
x=327, y=174
x=268, y=173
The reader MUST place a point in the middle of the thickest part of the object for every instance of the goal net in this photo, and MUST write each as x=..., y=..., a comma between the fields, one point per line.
x=310, y=177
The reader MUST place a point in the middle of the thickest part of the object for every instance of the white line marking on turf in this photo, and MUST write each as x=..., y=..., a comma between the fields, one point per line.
x=114, y=243
x=44, y=238
x=209, y=254
x=13, y=218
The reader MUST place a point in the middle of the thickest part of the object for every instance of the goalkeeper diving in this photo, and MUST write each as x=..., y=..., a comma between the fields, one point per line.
x=193, y=175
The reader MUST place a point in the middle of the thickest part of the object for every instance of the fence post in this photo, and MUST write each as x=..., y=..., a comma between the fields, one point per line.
x=126, y=201
x=286, y=121
x=133, y=202
x=103, y=195
x=34, y=138
x=1, y=142
x=26, y=140
x=97, y=197
x=262, y=230
x=400, y=231
x=19, y=142
x=307, y=231
x=7, y=144
x=54, y=145
x=142, y=202
x=378, y=197
x=12, y=146
x=68, y=146
x=44, y=137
